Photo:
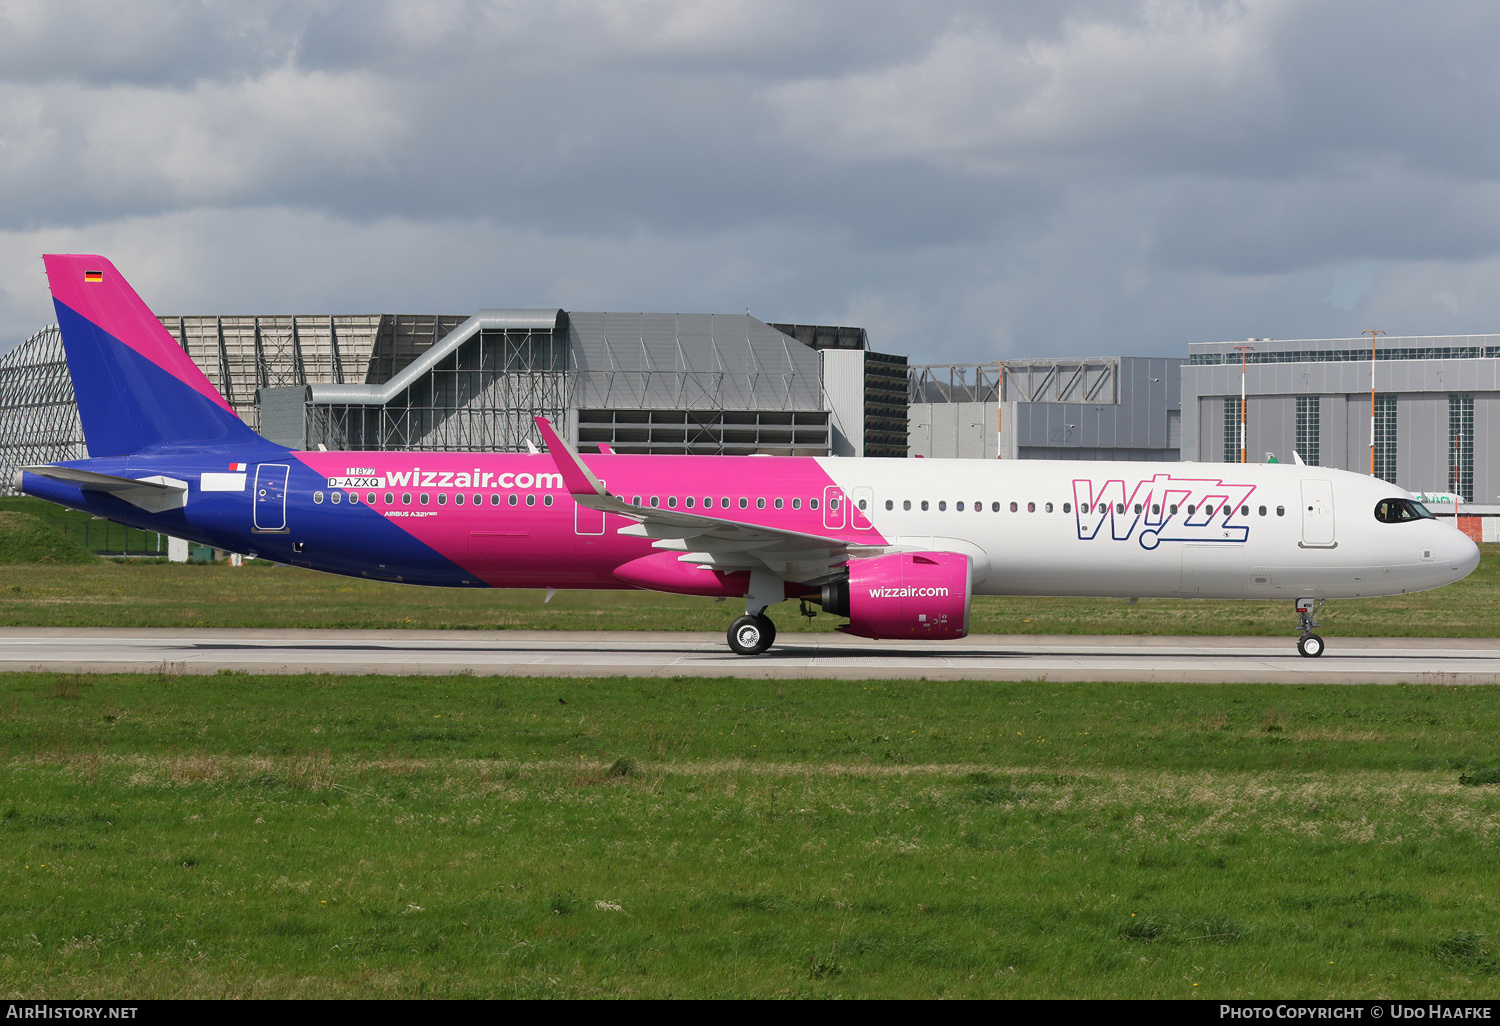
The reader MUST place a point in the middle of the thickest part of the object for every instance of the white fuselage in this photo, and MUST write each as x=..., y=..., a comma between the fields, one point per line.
x=1110, y=529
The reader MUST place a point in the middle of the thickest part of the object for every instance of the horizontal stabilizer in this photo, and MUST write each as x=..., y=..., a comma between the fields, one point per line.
x=153, y=494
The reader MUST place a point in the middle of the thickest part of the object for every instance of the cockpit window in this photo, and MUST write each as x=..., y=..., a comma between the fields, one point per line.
x=1401, y=511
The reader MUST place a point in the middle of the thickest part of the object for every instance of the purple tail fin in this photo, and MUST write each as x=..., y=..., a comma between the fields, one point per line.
x=136, y=388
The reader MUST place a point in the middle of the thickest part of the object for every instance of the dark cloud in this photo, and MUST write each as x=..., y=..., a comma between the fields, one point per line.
x=969, y=178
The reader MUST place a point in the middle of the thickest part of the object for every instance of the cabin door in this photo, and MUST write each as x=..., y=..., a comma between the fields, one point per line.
x=270, y=498
x=1317, y=514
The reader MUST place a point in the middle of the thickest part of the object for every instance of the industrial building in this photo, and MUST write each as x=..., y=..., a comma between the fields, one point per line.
x=1105, y=408
x=733, y=384
x=1435, y=398
x=635, y=382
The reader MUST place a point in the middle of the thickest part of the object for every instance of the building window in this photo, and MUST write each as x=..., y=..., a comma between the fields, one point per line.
x=1307, y=429
x=1232, y=429
x=1385, y=438
x=1461, y=446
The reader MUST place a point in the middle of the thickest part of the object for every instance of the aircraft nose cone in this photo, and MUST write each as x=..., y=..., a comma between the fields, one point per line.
x=1465, y=557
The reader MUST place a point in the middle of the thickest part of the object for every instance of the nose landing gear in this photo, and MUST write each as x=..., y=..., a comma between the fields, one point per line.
x=1309, y=645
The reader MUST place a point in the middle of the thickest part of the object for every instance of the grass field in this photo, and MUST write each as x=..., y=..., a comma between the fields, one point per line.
x=323, y=836
x=108, y=594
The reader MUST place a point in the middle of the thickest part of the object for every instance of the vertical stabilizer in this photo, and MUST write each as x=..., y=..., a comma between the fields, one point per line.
x=136, y=388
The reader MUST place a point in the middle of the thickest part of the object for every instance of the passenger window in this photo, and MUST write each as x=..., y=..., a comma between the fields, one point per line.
x=1119, y=507
x=318, y=498
x=1244, y=511
x=655, y=501
x=958, y=506
x=1049, y=507
x=1014, y=507
x=1031, y=507
x=689, y=502
x=406, y=498
x=1083, y=507
x=458, y=499
x=890, y=504
x=833, y=503
x=796, y=504
x=942, y=506
x=494, y=498
x=994, y=507
x=1191, y=510
x=779, y=504
x=906, y=504
x=724, y=502
x=1281, y=511
x=1172, y=509
x=1137, y=507
x=354, y=497
x=924, y=505
x=672, y=501
x=442, y=498
x=389, y=498
x=513, y=500
x=1155, y=509
x=1262, y=511
x=422, y=498
x=1067, y=507
x=744, y=502
x=546, y=500
x=635, y=501
x=978, y=507
x=812, y=503
x=370, y=498
x=760, y=503
x=478, y=499
x=531, y=499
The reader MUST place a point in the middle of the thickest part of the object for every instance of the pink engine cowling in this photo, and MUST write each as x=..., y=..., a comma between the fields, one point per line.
x=905, y=595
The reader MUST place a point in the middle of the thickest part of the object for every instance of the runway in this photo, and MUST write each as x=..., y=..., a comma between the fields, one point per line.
x=796, y=656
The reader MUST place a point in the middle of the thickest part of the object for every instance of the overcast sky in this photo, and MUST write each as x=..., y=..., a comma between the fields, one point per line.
x=968, y=181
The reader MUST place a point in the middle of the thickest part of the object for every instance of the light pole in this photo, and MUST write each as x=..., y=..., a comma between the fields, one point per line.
x=999, y=409
x=1243, y=350
x=1372, y=332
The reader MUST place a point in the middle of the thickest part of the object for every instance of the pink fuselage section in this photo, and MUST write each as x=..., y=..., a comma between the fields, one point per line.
x=508, y=519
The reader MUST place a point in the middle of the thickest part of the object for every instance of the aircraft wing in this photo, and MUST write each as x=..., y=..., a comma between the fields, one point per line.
x=154, y=494
x=707, y=540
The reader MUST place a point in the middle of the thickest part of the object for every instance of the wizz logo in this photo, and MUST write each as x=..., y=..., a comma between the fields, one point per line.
x=1163, y=508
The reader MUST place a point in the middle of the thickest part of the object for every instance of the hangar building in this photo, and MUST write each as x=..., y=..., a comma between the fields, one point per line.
x=1102, y=408
x=1437, y=399
x=636, y=382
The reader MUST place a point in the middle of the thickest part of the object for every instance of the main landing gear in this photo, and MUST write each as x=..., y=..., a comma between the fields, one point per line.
x=754, y=632
x=1309, y=645
x=752, y=635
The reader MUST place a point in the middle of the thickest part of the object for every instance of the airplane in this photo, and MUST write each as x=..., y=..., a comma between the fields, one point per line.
x=897, y=547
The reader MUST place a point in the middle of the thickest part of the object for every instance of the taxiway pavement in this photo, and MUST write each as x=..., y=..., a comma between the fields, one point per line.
x=665, y=654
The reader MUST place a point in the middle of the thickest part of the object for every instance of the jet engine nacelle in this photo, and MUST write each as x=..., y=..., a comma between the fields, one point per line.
x=904, y=595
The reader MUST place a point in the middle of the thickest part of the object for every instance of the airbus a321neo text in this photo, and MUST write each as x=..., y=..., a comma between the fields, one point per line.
x=898, y=547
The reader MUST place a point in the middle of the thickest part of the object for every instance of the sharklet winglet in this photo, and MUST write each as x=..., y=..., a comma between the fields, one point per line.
x=579, y=479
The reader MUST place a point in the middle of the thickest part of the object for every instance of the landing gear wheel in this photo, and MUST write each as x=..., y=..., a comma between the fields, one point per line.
x=1310, y=646
x=751, y=635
